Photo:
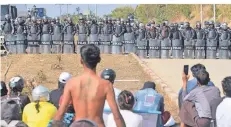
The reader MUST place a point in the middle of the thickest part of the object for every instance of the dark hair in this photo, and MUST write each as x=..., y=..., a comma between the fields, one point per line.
x=90, y=55
x=126, y=100
x=61, y=85
x=226, y=85
x=196, y=68
x=37, y=106
x=4, y=90
x=203, y=77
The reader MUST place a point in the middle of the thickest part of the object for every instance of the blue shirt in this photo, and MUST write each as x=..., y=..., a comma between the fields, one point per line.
x=148, y=100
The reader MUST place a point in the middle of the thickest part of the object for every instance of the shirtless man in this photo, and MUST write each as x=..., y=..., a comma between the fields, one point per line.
x=89, y=91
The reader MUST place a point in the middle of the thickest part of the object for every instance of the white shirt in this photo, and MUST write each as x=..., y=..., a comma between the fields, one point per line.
x=117, y=92
x=131, y=119
x=223, y=113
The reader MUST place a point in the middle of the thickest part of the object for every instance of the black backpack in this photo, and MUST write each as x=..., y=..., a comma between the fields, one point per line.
x=11, y=108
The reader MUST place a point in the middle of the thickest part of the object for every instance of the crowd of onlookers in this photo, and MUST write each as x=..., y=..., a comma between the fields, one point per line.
x=81, y=101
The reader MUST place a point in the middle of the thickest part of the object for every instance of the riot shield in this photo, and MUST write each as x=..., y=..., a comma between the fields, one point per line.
x=45, y=46
x=200, y=49
x=211, y=49
x=20, y=44
x=82, y=40
x=142, y=48
x=68, y=47
x=33, y=43
x=117, y=43
x=93, y=39
x=166, y=48
x=129, y=43
x=105, y=44
x=189, y=49
x=177, y=49
x=10, y=43
x=57, y=47
x=224, y=51
x=154, y=48
x=33, y=47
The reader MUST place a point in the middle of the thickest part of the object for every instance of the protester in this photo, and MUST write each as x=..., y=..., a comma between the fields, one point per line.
x=16, y=85
x=148, y=100
x=88, y=92
x=3, y=88
x=110, y=75
x=196, y=109
x=68, y=116
x=223, y=112
x=55, y=94
x=39, y=112
x=11, y=106
x=126, y=101
x=192, y=84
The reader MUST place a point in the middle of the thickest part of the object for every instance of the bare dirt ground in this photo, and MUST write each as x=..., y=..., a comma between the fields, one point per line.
x=45, y=69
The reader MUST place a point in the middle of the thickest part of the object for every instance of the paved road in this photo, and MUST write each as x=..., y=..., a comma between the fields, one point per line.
x=170, y=70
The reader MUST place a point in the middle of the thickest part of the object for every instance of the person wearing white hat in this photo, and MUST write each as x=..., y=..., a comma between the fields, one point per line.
x=57, y=93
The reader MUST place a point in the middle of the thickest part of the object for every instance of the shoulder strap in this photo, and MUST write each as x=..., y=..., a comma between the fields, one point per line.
x=13, y=123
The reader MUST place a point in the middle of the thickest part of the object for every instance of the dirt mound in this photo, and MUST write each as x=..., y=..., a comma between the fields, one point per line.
x=45, y=69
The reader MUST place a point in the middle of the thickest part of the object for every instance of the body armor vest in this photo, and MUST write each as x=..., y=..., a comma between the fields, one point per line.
x=82, y=28
x=212, y=34
x=224, y=35
x=94, y=29
x=118, y=29
x=200, y=34
x=165, y=32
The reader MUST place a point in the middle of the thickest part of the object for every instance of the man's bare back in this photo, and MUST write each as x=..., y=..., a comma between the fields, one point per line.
x=88, y=92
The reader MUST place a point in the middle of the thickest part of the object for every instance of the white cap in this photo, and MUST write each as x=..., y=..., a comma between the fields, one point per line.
x=64, y=76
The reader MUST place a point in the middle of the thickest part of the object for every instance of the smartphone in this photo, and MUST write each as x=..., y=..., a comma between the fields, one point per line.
x=186, y=69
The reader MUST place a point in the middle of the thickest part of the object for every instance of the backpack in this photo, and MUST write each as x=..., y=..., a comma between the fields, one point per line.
x=11, y=108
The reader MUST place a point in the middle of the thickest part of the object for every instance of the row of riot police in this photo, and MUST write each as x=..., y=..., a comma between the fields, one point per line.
x=168, y=41
x=118, y=36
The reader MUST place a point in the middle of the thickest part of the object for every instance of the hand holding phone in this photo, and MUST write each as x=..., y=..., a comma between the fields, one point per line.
x=186, y=69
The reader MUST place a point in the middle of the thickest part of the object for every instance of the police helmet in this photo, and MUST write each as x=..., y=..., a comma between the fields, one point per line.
x=40, y=93
x=108, y=74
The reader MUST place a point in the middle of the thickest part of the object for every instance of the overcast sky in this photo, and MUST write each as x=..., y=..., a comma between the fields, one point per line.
x=54, y=10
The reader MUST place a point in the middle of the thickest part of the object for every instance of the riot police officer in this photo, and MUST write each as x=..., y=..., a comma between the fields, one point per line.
x=105, y=44
x=212, y=42
x=69, y=32
x=129, y=38
x=33, y=36
x=21, y=36
x=154, y=42
x=8, y=32
x=93, y=33
x=224, y=42
x=165, y=40
x=45, y=46
x=200, y=42
x=142, y=44
x=82, y=31
x=177, y=45
x=117, y=39
x=57, y=36
x=189, y=35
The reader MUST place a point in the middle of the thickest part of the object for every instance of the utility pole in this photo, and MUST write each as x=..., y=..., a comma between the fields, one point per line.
x=214, y=13
x=67, y=8
x=96, y=11
x=88, y=9
x=60, y=9
x=201, y=14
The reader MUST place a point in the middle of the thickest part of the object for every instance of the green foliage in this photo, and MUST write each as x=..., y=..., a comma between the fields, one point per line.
x=122, y=12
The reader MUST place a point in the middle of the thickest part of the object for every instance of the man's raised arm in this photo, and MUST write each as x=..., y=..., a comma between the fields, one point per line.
x=114, y=108
x=57, y=121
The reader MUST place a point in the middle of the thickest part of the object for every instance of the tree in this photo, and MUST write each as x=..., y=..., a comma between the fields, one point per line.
x=122, y=12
